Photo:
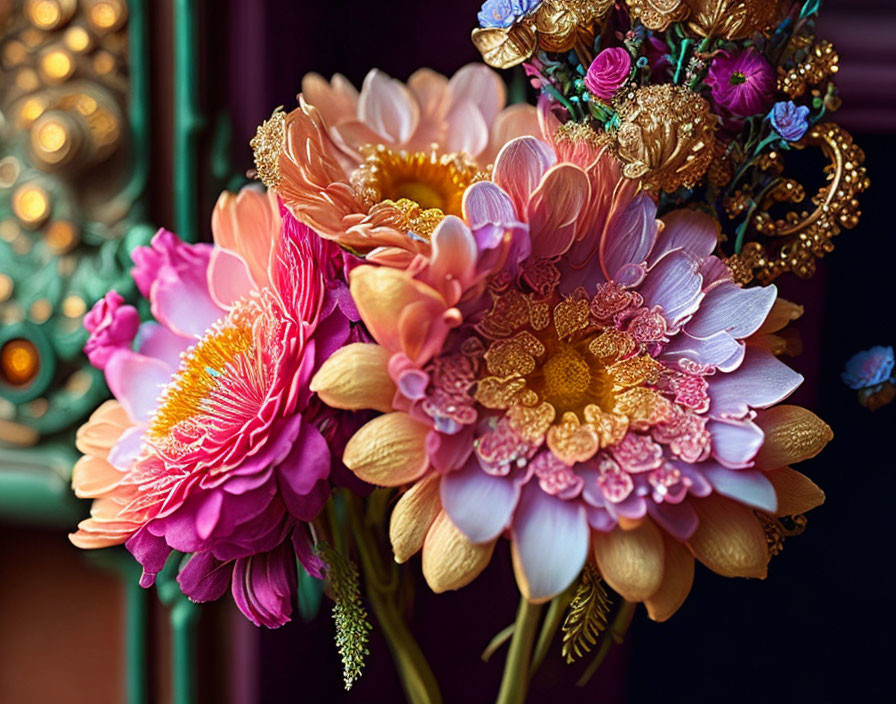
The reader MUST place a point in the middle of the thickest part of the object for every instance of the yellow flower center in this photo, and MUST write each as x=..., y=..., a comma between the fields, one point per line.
x=562, y=378
x=419, y=188
x=221, y=381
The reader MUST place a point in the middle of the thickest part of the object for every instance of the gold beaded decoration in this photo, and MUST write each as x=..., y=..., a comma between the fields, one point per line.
x=794, y=242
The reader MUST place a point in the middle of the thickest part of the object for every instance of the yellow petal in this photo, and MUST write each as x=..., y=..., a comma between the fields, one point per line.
x=390, y=450
x=382, y=293
x=450, y=560
x=792, y=434
x=782, y=313
x=678, y=576
x=413, y=515
x=631, y=561
x=356, y=377
x=729, y=539
x=796, y=492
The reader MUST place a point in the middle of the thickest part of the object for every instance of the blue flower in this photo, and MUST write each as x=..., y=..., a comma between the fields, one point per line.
x=789, y=120
x=868, y=367
x=503, y=13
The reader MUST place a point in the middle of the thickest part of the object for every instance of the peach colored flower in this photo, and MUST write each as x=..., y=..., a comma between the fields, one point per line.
x=378, y=170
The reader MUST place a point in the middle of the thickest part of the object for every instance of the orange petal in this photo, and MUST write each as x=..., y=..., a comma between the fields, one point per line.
x=782, y=313
x=729, y=539
x=390, y=450
x=792, y=434
x=248, y=223
x=356, y=377
x=796, y=492
x=93, y=476
x=450, y=560
x=631, y=561
x=412, y=517
x=678, y=576
x=381, y=295
x=102, y=430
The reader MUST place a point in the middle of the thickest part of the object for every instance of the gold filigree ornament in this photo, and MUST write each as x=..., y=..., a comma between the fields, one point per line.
x=666, y=137
x=723, y=19
x=555, y=26
x=794, y=242
x=819, y=64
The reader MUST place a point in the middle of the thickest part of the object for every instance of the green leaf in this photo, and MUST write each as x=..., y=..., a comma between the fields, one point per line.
x=810, y=7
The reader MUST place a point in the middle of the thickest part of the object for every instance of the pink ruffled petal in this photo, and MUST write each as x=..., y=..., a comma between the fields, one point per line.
x=675, y=284
x=630, y=236
x=307, y=462
x=735, y=444
x=137, y=382
x=208, y=513
x=738, y=311
x=479, y=504
x=748, y=486
x=204, y=578
x=519, y=168
x=484, y=203
x=453, y=255
x=168, y=294
x=388, y=107
x=550, y=543
x=555, y=208
x=229, y=279
x=480, y=86
x=467, y=130
x=691, y=230
x=759, y=382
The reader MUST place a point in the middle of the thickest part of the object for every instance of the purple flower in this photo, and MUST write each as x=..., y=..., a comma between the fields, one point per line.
x=608, y=72
x=503, y=13
x=789, y=120
x=112, y=326
x=743, y=83
x=868, y=367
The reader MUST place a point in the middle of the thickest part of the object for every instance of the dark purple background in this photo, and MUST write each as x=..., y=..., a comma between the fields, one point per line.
x=820, y=628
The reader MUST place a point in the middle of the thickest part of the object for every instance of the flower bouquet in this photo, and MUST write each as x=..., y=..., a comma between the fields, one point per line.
x=464, y=325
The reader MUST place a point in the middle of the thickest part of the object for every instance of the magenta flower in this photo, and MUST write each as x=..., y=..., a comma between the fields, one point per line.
x=608, y=72
x=112, y=327
x=212, y=446
x=743, y=83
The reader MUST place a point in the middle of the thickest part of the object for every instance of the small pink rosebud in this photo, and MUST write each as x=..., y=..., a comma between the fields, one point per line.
x=608, y=72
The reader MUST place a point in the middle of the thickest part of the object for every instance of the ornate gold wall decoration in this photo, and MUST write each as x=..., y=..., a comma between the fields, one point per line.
x=68, y=187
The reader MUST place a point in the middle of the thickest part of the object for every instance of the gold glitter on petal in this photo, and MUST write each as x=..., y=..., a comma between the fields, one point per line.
x=610, y=427
x=266, y=146
x=635, y=371
x=612, y=345
x=658, y=14
x=571, y=441
x=494, y=392
x=571, y=316
x=531, y=423
x=514, y=357
x=643, y=407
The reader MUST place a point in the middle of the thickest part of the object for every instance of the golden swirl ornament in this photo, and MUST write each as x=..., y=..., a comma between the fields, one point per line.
x=666, y=137
x=658, y=14
x=554, y=26
x=820, y=64
x=794, y=242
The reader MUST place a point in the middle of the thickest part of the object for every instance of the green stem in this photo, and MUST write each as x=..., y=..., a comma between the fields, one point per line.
x=187, y=118
x=684, y=50
x=515, y=681
x=419, y=683
x=552, y=622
